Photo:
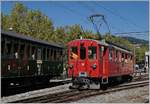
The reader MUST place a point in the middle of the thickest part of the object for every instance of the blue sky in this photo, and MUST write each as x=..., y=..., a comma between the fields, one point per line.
x=122, y=16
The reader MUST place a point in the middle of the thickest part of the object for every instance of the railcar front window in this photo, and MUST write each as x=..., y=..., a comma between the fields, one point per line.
x=73, y=52
x=92, y=52
x=82, y=53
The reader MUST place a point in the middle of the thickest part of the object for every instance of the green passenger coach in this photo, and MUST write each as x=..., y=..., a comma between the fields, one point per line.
x=26, y=61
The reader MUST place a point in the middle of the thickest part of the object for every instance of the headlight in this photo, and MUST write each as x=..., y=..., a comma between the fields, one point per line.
x=94, y=66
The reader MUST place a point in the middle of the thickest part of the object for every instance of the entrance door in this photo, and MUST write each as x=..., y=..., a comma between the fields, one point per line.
x=39, y=60
x=105, y=66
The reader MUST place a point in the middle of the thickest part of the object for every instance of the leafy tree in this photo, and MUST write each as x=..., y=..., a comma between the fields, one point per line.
x=5, y=21
x=29, y=22
x=38, y=25
x=118, y=40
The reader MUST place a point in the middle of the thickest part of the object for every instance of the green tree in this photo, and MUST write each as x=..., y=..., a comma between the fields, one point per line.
x=5, y=21
x=29, y=22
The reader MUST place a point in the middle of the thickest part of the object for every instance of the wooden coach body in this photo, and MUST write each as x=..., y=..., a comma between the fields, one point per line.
x=24, y=59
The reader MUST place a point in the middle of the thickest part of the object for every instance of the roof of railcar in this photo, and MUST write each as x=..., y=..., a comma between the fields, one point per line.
x=28, y=38
x=106, y=43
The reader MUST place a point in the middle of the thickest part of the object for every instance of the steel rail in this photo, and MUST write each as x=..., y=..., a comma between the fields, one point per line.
x=74, y=95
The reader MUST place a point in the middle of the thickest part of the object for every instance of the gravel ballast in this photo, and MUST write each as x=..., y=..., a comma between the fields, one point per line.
x=36, y=93
x=137, y=95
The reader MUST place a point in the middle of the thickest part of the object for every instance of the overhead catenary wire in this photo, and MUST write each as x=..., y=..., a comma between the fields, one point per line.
x=117, y=14
x=93, y=11
x=137, y=32
x=72, y=11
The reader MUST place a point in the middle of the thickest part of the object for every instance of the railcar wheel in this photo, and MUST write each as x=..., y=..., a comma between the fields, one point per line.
x=104, y=86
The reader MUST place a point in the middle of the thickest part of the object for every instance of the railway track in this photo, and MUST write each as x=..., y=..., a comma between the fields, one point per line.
x=74, y=95
x=27, y=88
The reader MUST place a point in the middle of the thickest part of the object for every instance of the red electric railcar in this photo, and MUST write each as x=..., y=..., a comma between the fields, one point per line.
x=98, y=62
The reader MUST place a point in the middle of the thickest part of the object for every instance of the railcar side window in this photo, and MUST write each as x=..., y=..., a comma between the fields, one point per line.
x=73, y=52
x=122, y=56
x=82, y=52
x=116, y=53
x=126, y=56
x=119, y=55
x=92, y=52
x=110, y=54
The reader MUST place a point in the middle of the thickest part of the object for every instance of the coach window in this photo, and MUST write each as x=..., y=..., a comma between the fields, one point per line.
x=16, y=48
x=33, y=52
x=55, y=55
x=39, y=54
x=28, y=51
x=92, y=52
x=3, y=47
x=8, y=48
x=110, y=54
x=58, y=55
x=51, y=54
x=47, y=54
x=73, y=52
x=61, y=53
x=22, y=48
x=44, y=53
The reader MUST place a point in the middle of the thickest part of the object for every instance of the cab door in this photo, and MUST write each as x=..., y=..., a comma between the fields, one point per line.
x=105, y=65
x=93, y=62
